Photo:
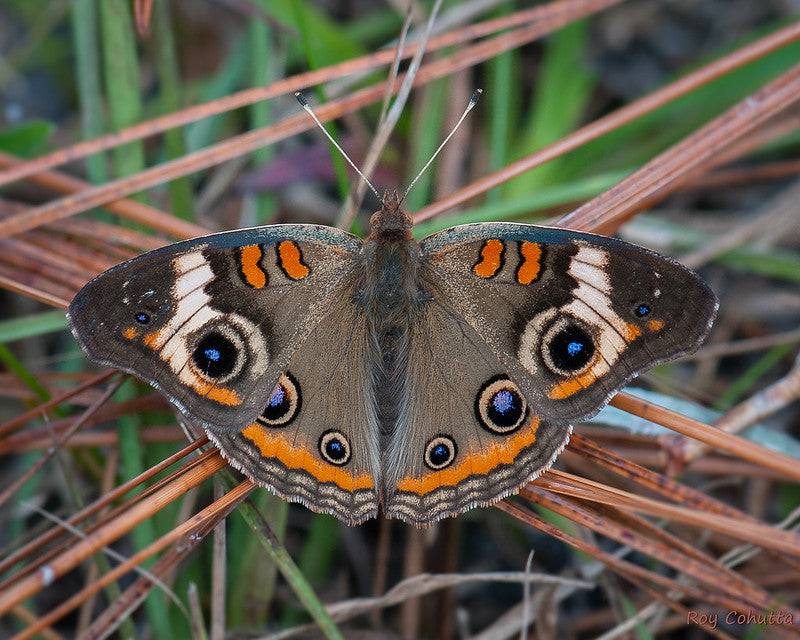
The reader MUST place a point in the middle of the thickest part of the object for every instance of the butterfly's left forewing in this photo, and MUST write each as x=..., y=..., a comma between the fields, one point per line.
x=212, y=322
x=254, y=336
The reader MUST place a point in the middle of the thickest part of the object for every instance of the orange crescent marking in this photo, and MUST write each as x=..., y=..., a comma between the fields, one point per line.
x=655, y=325
x=273, y=445
x=475, y=464
x=249, y=259
x=130, y=333
x=570, y=387
x=491, y=259
x=531, y=253
x=221, y=395
x=631, y=332
x=292, y=260
x=150, y=339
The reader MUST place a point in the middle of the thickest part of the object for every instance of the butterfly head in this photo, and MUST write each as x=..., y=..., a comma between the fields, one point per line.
x=391, y=222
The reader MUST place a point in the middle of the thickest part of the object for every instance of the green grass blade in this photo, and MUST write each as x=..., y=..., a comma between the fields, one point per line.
x=230, y=75
x=750, y=378
x=27, y=139
x=180, y=190
x=429, y=112
x=503, y=108
x=132, y=464
x=88, y=72
x=265, y=68
x=305, y=21
x=37, y=324
x=562, y=91
x=290, y=571
x=123, y=93
x=525, y=206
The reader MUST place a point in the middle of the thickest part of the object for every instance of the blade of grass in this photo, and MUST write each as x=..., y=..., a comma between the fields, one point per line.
x=311, y=43
x=741, y=385
x=429, y=111
x=33, y=325
x=252, y=572
x=87, y=70
x=123, y=95
x=265, y=68
x=202, y=131
x=316, y=557
x=132, y=465
x=526, y=206
x=290, y=571
x=26, y=139
x=503, y=106
x=180, y=190
x=562, y=90
x=638, y=141
x=26, y=462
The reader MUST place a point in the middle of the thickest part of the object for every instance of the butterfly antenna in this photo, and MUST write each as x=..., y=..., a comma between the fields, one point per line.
x=304, y=103
x=472, y=102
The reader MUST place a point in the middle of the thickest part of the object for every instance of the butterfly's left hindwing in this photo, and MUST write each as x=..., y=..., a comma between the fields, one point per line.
x=317, y=440
x=212, y=322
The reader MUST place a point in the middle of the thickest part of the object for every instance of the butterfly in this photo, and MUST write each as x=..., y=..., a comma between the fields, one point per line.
x=418, y=378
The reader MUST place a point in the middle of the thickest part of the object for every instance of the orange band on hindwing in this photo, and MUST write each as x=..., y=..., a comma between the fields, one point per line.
x=491, y=259
x=290, y=260
x=275, y=445
x=250, y=266
x=530, y=265
x=476, y=464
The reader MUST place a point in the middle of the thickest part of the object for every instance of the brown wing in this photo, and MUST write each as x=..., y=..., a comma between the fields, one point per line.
x=213, y=322
x=571, y=316
x=316, y=441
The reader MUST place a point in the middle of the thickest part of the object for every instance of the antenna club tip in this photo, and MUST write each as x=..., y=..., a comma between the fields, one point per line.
x=301, y=98
x=475, y=97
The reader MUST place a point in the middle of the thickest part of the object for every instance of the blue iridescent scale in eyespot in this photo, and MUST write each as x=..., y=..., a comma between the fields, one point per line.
x=574, y=348
x=642, y=310
x=503, y=401
x=212, y=354
x=335, y=448
x=278, y=396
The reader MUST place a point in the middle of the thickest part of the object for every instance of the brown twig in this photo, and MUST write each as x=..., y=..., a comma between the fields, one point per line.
x=54, y=448
x=564, y=11
x=710, y=435
x=613, y=121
